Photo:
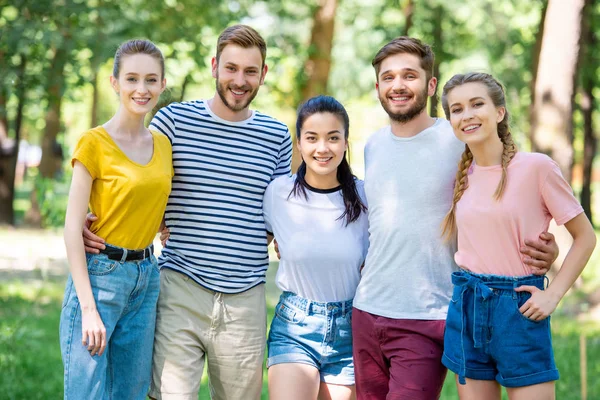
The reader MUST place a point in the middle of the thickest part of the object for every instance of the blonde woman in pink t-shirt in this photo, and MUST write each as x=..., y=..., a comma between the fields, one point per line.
x=498, y=325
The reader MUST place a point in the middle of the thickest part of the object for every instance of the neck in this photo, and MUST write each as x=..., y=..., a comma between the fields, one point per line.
x=414, y=126
x=489, y=153
x=126, y=124
x=317, y=181
x=222, y=111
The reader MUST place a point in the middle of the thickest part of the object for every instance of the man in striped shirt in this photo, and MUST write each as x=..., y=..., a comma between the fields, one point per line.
x=212, y=299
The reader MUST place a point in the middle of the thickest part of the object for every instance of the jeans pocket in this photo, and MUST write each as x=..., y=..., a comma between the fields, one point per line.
x=101, y=265
x=68, y=290
x=521, y=299
x=289, y=314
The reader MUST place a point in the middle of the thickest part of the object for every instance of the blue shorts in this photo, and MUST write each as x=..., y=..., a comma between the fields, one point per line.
x=487, y=338
x=313, y=333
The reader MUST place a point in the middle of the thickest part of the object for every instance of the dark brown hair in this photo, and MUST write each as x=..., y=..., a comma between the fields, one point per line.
x=408, y=45
x=243, y=36
x=353, y=205
x=138, y=46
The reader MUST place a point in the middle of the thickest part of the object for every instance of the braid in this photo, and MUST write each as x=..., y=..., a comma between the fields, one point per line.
x=460, y=185
x=508, y=153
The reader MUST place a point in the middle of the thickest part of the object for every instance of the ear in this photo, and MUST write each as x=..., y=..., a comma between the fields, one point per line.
x=264, y=73
x=214, y=65
x=501, y=113
x=163, y=85
x=431, y=86
x=114, y=82
x=298, y=145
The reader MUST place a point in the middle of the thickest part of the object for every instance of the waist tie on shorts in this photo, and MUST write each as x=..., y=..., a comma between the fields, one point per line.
x=480, y=313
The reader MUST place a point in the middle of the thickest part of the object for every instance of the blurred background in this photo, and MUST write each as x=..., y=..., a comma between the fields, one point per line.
x=55, y=63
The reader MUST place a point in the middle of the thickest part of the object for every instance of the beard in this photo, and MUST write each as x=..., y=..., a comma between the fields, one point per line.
x=235, y=107
x=411, y=113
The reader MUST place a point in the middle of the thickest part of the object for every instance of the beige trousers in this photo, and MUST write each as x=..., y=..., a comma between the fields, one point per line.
x=193, y=323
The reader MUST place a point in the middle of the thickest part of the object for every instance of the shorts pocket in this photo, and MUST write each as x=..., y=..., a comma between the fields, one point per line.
x=289, y=314
x=521, y=299
x=101, y=266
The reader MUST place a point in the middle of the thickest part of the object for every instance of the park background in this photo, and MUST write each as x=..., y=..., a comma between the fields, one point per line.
x=56, y=57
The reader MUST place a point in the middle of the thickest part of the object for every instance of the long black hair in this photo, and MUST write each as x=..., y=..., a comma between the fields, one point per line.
x=352, y=202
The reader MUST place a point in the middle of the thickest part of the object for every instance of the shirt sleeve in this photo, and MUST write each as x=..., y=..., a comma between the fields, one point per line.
x=558, y=196
x=86, y=152
x=268, y=206
x=284, y=158
x=164, y=123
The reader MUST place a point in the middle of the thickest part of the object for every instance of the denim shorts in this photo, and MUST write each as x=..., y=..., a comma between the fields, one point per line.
x=126, y=293
x=313, y=333
x=487, y=338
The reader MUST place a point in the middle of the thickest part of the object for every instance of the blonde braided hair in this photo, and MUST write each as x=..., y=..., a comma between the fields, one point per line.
x=461, y=184
x=496, y=93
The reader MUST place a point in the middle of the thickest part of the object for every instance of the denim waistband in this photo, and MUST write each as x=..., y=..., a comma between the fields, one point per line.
x=315, y=307
x=484, y=286
x=464, y=277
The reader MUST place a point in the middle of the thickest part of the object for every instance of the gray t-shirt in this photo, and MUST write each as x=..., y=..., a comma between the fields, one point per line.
x=409, y=185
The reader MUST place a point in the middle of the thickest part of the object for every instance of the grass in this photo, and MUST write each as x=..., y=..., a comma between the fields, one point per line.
x=32, y=369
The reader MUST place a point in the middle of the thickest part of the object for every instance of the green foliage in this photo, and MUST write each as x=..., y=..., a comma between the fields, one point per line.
x=29, y=353
x=52, y=198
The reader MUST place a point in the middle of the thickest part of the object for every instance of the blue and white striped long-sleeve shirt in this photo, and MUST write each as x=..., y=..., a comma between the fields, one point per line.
x=214, y=212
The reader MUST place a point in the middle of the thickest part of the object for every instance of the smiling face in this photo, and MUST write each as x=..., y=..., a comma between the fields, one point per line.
x=239, y=73
x=139, y=83
x=473, y=115
x=402, y=87
x=322, y=144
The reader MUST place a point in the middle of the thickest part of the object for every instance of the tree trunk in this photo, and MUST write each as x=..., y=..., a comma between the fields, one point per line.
x=408, y=11
x=535, y=61
x=9, y=148
x=554, y=88
x=316, y=68
x=589, y=80
x=6, y=160
x=438, y=45
x=51, y=161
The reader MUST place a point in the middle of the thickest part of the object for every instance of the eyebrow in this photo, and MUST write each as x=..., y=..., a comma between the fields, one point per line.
x=470, y=100
x=135, y=73
x=403, y=70
x=232, y=64
x=329, y=133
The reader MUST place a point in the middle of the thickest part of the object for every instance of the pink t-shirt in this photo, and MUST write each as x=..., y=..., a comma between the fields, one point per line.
x=491, y=232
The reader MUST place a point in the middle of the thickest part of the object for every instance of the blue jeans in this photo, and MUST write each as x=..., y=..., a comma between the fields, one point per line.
x=318, y=334
x=126, y=294
x=487, y=337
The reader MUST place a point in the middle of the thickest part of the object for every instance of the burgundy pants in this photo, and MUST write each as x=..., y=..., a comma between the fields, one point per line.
x=397, y=359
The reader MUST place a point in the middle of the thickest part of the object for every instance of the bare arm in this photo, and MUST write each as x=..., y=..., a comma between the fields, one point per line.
x=93, y=331
x=543, y=303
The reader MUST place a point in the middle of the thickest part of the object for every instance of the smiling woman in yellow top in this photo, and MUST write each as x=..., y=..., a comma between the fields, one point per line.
x=123, y=172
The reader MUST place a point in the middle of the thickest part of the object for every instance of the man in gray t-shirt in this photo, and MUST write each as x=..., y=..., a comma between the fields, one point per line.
x=402, y=299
